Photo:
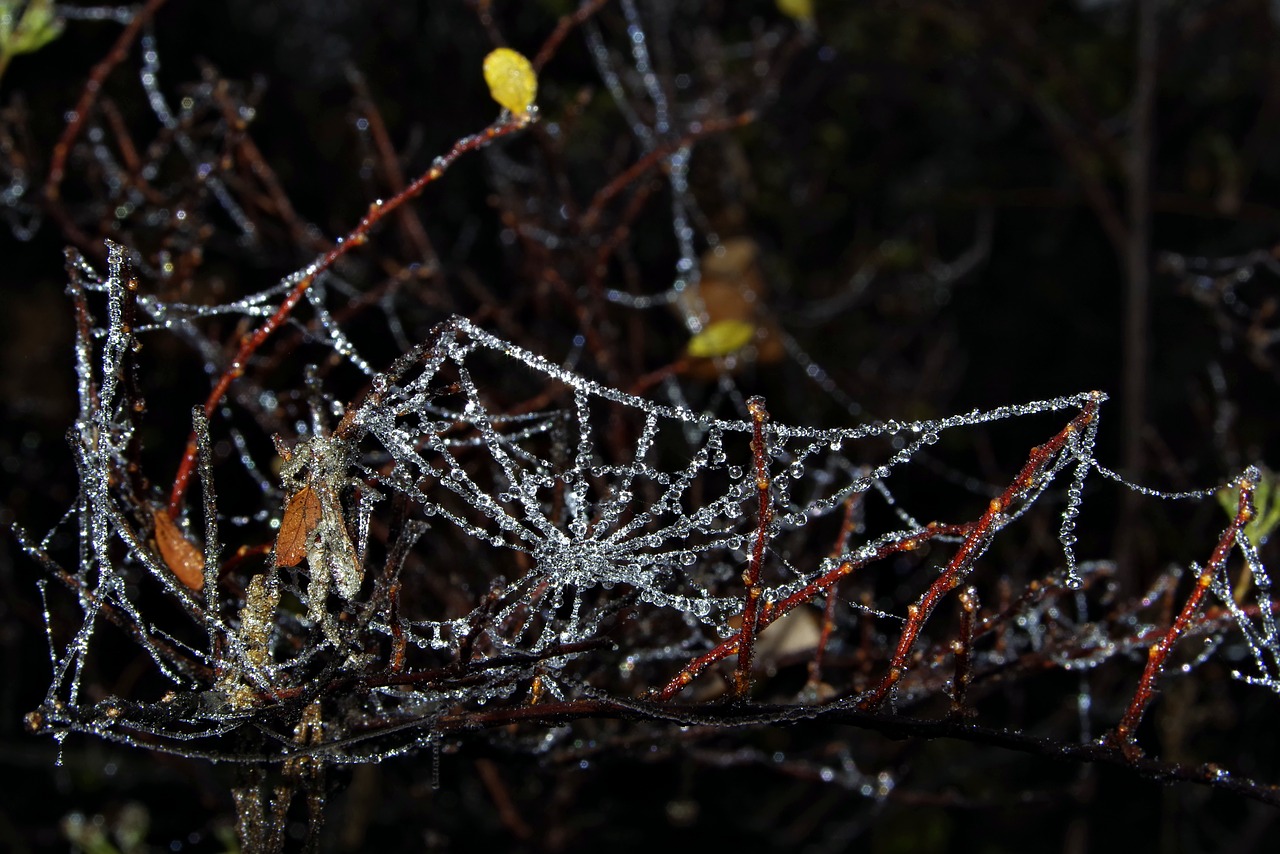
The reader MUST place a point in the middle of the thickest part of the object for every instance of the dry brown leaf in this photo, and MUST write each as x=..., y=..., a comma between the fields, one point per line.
x=302, y=516
x=733, y=289
x=179, y=554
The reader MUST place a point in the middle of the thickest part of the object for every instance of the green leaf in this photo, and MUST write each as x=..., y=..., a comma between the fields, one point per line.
x=1266, y=505
x=37, y=26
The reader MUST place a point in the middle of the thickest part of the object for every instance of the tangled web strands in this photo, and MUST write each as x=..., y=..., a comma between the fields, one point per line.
x=519, y=532
x=591, y=511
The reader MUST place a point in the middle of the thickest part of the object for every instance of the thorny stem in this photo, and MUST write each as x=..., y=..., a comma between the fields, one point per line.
x=1126, y=730
x=505, y=126
x=764, y=518
x=920, y=610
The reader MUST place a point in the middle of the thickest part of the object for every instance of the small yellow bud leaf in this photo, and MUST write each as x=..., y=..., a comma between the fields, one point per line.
x=721, y=338
x=799, y=10
x=511, y=80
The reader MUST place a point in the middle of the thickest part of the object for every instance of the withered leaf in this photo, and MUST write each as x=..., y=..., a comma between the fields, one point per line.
x=734, y=297
x=179, y=554
x=302, y=516
x=721, y=338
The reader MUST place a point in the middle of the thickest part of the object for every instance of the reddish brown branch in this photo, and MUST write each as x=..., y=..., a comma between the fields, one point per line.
x=633, y=172
x=410, y=225
x=1126, y=730
x=829, y=608
x=906, y=543
x=962, y=648
x=920, y=610
x=564, y=26
x=969, y=551
x=249, y=153
x=501, y=795
x=92, y=88
x=377, y=211
x=972, y=532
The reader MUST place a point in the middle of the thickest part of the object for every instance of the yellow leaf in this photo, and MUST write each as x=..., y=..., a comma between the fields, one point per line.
x=721, y=338
x=511, y=80
x=799, y=10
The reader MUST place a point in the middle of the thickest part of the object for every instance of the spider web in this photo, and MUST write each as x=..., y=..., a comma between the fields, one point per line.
x=517, y=523
x=544, y=485
x=538, y=528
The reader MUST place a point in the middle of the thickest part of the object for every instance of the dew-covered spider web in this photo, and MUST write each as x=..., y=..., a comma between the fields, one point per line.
x=521, y=534
x=382, y=554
